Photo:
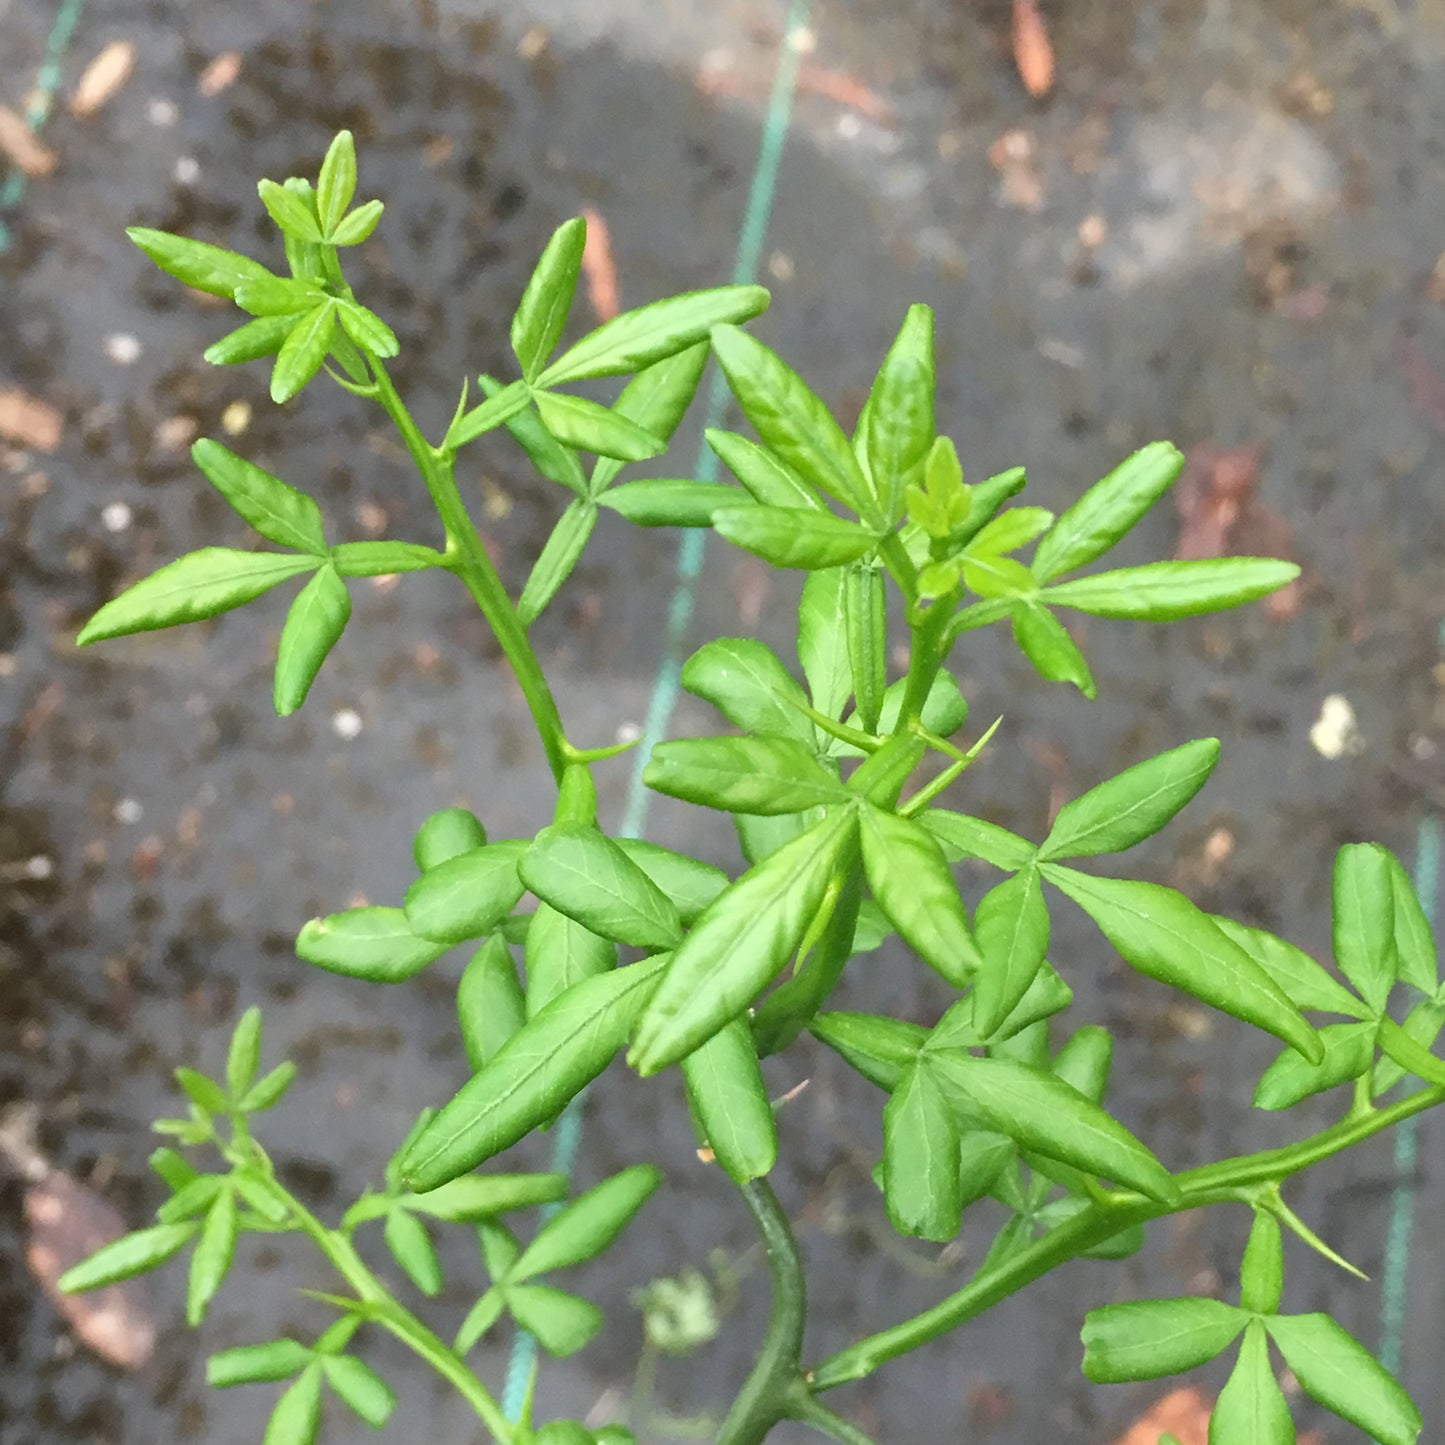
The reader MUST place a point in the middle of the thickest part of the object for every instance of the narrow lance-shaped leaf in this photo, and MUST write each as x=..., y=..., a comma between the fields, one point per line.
x=289, y=211
x=553, y=460
x=577, y=422
x=503, y=403
x=1345, y=1377
x=197, y=264
x=1045, y=641
x=1133, y=805
x=412, y=1248
x=467, y=896
x=561, y=952
x=1108, y=510
x=921, y=1159
x=1349, y=1051
x=383, y=559
x=130, y=1255
x=729, y=1100
x=277, y=510
x=1163, y=935
x=1083, y=1063
x=261, y=337
x=747, y=682
x=866, y=618
x=1044, y=1114
x=580, y=871
x=279, y=296
x=336, y=184
x=793, y=537
x=768, y=775
x=200, y=584
x=215, y=1250
x=966, y=837
x=740, y=943
x=880, y=1048
x=534, y=1075
x=1252, y=1406
x=358, y=226
x=314, y=624
x=542, y=311
x=655, y=399
x=296, y=1420
x=912, y=883
x=302, y=352
x=1364, y=921
x=639, y=338
x=1011, y=929
x=372, y=943
x=762, y=474
x=368, y=331
x=1261, y=1274
x=562, y=1323
x=557, y=558
x=1148, y=1339
x=1305, y=983
x=1414, y=938
x=244, y=1055
x=257, y=1364
x=789, y=417
x=896, y=424
x=670, y=501
x=361, y=1387
x=589, y=1224
x=823, y=641
x=1163, y=591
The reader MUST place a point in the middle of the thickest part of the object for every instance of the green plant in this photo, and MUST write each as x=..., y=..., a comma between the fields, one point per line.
x=842, y=848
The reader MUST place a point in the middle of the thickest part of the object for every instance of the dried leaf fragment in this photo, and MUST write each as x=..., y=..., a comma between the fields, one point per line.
x=29, y=421
x=1033, y=50
x=103, y=77
x=598, y=268
x=22, y=147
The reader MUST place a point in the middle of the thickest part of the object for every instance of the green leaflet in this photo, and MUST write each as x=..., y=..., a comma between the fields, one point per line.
x=336, y=184
x=762, y=474
x=1011, y=929
x=1149, y=1339
x=792, y=422
x=561, y=952
x=1345, y=1377
x=823, y=641
x=584, y=874
x=303, y=351
x=655, y=399
x=205, y=267
x=1045, y=641
x=383, y=559
x=314, y=625
x=542, y=312
x=561, y=1322
x=880, y=1048
x=966, y=837
x=794, y=536
x=503, y=404
x=1414, y=938
x=1083, y=1063
x=640, y=338
x=767, y=775
x=1164, y=591
x=361, y=1387
x=274, y=508
x=729, y=1101
x=1306, y=984
x=372, y=943
x=589, y=1224
x=865, y=612
x=912, y=883
x=689, y=884
x=130, y=1255
x=747, y=682
x=1042, y=1113
x=1107, y=510
x=1364, y=921
x=1133, y=805
x=412, y=1248
x=740, y=943
x=258, y=338
x=367, y=330
x=257, y=1364
x=1261, y=1273
x=445, y=834
x=557, y=558
x=670, y=502
x=550, y=1060
x=1162, y=934
x=1251, y=1406
x=491, y=1006
x=1349, y=1050
x=577, y=422
x=289, y=211
x=467, y=896
x=296, y=1420
x=480, y=1196
x=215, y=1249
x=358, y=226
x=921, y=1159
x=896, y=425
x=200, y=584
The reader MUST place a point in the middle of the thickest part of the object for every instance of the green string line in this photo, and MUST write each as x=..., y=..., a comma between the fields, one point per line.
x=567, y=1136
x=42, y=101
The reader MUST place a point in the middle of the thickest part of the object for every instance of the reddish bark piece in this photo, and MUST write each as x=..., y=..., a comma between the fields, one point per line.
x=1033, y=50
x=598, y=268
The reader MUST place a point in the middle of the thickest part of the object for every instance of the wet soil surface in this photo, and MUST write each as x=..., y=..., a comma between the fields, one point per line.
x=1223, y=227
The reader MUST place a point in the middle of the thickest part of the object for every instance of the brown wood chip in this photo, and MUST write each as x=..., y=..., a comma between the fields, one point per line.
x=220, y=73
x=103, y=77
x=598, y=268
x=22, y=146
x=28, y=420
x=1033, y=50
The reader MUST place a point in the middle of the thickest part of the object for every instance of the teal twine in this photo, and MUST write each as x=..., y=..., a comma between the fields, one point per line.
x=42, y=100
x=567, y=1135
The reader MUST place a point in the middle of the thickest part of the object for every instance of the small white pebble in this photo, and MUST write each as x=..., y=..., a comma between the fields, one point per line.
x=122, y=348
x=849, y=127
x=628, y=732
x=128, y=810
x=1336, y=732
x=346, y=723
x=236, y=417
x=162, y=112
x=188, y=168
x=780, y=266
x=115, y=517
x=39, y=867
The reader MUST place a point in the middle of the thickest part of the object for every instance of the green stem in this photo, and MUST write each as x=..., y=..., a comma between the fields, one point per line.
x=828, y=1422
x=768, y=1392
x=1229, y=1179
x=931, y=643
x=475, y=568
x=383, y=1308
